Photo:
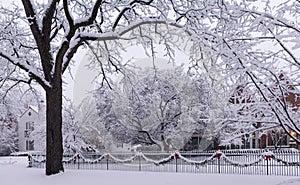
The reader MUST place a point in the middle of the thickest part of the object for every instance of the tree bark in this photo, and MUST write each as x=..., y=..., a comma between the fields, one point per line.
x=54, y=147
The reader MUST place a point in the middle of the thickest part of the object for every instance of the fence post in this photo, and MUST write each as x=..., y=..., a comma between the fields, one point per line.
x=107, y=158
x=218, y=155
x=176, y=158
x=29, y=161
x=78, y=157
x=140, y=167
x=268, y=157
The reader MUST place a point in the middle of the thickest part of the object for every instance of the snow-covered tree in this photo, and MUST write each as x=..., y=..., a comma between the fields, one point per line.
x=92, y=130
x=14, y=100
x=8, y=133
x=155, y=107
x=245, y=114
x=248, y=114
x=73, y=138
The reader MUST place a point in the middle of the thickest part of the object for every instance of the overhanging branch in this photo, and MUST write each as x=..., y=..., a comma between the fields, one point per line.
x=31, y=71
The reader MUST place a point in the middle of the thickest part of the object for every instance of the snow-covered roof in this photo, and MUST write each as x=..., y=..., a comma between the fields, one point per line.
x=36, y=109
x=33, y=108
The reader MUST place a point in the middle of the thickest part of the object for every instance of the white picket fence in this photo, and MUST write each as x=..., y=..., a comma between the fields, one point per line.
x=256, y=162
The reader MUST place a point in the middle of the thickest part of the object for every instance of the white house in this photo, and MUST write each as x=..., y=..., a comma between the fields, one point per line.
x=27, y=122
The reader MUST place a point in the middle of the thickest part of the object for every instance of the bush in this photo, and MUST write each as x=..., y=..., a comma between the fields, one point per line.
x=4, y=150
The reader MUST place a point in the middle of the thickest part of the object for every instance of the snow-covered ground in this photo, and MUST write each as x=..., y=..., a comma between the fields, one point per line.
x=13, y=171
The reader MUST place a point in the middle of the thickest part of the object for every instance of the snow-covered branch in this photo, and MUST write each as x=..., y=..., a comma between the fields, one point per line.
x=33, y=73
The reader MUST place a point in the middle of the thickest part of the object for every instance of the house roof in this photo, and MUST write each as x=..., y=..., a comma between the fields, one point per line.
x=291, y=94
x=34, y=109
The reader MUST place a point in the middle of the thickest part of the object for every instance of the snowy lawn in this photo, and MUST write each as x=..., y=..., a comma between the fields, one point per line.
x=13, y=171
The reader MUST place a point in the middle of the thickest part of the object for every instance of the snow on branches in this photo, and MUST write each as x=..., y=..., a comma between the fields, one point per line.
x=155, y=107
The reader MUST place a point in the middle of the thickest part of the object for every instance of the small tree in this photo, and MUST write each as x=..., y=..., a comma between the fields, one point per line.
x=8, y=133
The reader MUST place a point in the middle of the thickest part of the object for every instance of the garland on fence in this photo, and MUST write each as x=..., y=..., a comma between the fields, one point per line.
x=32, y=159
x=70, y=159
x=171, y=157
x=106, y=155
x=286, y=163
x=129, y=160
x=198, y=163
x=159, y=162
x=90, y=160
x=242, y=164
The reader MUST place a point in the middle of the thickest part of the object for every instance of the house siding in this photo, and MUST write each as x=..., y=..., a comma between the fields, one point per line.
x=32, y=118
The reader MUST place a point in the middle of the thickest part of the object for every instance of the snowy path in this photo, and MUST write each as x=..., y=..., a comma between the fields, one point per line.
x=14, y=172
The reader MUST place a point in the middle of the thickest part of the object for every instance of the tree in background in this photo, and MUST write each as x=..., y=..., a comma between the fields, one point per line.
x=8, y=134
x=13, y=102
x=72, y=126
x=248, y=114
x=162, y=108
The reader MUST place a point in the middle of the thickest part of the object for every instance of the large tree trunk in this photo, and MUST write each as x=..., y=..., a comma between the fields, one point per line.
x=54, y=148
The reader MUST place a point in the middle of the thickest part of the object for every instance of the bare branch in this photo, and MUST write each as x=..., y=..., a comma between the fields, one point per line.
x=90, y=19
x=68, y=14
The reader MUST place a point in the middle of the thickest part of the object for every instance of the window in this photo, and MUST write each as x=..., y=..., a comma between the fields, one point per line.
x=30, y=125
x=29, y=145
x=119, y=145
x=195, y=142
x=26, y=133
x=277, y=139
x=29, y=128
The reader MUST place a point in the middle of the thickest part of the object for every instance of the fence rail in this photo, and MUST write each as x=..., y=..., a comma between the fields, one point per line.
x=256, y=162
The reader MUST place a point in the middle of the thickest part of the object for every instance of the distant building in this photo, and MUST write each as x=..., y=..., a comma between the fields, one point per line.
x=274, y=138
x=247, y=106
x=27, y=122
